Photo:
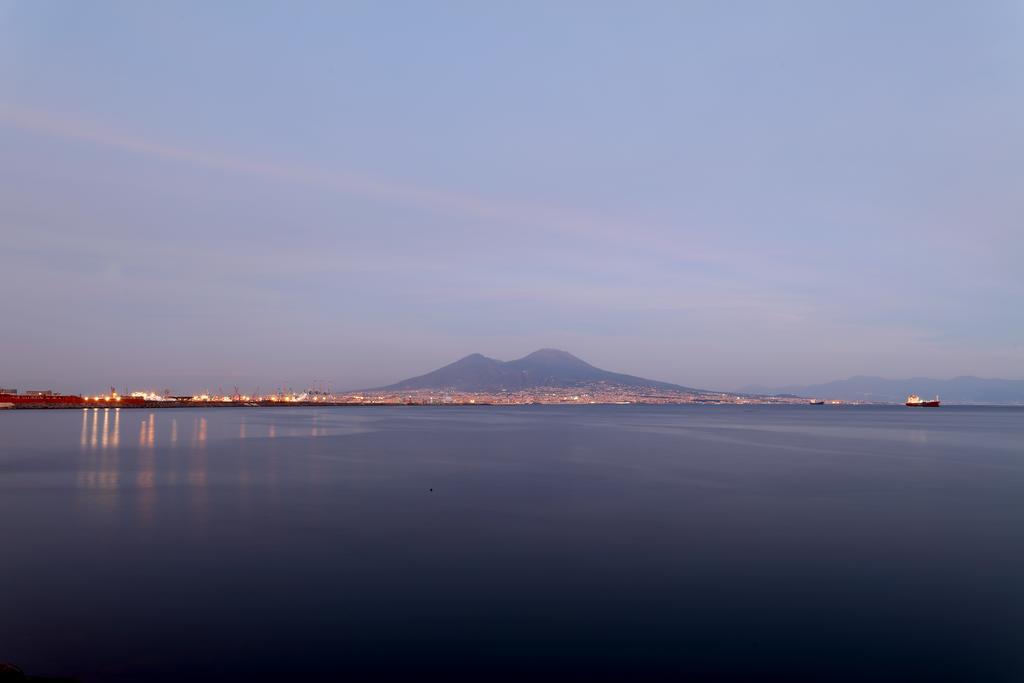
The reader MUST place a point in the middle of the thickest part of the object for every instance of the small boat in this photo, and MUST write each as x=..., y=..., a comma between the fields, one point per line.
x=915, y=401
x=817, y=402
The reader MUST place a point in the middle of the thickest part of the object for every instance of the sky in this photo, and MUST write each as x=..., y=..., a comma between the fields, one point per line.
x=197, y=195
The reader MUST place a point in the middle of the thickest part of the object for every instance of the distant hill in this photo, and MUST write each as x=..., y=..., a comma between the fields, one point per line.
x=543, y=368
x=861, y=388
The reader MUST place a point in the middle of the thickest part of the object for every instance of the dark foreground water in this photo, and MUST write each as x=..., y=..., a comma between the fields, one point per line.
x=596, y=542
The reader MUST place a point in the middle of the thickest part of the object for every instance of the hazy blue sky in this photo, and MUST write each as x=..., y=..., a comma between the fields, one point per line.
x=712, y=193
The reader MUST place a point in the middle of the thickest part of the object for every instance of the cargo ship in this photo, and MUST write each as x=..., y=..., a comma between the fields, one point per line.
x=915, y=401
x=51, y=399
x=39, y=399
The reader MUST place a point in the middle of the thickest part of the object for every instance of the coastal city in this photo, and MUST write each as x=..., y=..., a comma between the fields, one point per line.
x=591, y=393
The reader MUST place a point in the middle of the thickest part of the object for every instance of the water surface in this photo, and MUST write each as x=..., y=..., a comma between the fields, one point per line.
x=592, y=542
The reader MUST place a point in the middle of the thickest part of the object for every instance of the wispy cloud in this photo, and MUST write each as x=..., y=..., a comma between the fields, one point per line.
x=522, y=215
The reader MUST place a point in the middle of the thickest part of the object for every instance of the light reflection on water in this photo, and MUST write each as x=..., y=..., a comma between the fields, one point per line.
x=160, y=458
x=95, y=418
x=196, y=475
x=99, y=445
x=145, y=482
x=198, y=432
x=197, y=460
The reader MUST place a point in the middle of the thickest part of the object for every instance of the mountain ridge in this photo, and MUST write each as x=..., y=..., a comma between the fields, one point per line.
x=960, y=389
x=545, y=367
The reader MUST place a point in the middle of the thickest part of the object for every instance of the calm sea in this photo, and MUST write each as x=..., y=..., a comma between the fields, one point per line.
x=809, y=543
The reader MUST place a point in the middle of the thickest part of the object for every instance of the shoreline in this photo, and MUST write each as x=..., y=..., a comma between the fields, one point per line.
x=462, y=402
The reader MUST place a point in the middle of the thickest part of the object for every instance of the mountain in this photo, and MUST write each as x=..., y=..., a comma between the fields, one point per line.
x=543, y=368
x=861, y=388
